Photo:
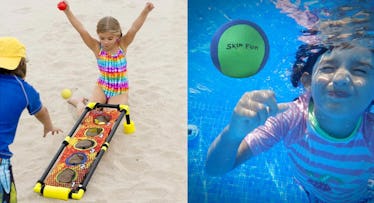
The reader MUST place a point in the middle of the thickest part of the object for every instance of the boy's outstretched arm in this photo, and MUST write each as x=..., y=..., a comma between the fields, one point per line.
x=44, y=118
x=136, y=25
x=91, y=42
x=226, y=152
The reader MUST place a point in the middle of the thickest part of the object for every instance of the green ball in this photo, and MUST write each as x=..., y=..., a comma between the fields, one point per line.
x=239, y=49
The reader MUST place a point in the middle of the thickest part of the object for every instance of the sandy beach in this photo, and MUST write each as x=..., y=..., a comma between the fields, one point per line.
x=147, y=166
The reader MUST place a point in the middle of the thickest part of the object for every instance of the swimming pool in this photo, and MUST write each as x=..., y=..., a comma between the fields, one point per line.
x=212, y=97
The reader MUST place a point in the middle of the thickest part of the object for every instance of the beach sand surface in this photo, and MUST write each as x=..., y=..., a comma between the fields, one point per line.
x=149, y=165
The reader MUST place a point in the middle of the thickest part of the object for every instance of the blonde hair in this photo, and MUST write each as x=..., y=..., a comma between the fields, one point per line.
x=109, y=24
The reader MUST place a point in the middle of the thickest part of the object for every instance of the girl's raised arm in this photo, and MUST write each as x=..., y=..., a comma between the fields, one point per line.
x=136, y=25
x=91, y=42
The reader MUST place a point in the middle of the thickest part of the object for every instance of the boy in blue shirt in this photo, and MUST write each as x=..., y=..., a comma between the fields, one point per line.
x=15, y=95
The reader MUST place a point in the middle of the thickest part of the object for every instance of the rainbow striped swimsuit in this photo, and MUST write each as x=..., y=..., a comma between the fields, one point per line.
x=113, y=73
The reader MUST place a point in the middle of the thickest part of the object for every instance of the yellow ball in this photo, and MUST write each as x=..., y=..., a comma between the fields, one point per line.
x=66, y=93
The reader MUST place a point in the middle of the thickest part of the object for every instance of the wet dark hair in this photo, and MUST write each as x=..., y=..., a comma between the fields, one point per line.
x=20, y=71
x=306, y=57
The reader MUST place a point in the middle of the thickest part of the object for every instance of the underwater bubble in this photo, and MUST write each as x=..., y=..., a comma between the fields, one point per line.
x=193, y=132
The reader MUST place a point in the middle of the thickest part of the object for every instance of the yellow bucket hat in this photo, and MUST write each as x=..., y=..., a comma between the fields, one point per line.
x=11, y=52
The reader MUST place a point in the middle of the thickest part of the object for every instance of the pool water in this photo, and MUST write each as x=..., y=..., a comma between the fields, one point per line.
x=212, y=97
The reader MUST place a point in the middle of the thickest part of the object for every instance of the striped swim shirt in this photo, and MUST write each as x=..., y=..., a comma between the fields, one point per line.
x=330, y=169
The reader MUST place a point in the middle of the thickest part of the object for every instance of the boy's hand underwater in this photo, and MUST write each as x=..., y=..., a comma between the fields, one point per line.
x=252, y=110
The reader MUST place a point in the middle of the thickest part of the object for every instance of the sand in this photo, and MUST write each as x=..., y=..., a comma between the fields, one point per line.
x=147, y=166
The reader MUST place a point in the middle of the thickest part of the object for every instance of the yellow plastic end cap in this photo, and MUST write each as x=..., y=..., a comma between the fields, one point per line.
x=124, y=107
x=91, y=105
x=129, y=128
x=78, y=195
x=38, y=188
x=56, y=192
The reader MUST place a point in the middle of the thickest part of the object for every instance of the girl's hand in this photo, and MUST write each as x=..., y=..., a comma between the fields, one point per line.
x=67, y=5
x=149, y=6
x=252, y=110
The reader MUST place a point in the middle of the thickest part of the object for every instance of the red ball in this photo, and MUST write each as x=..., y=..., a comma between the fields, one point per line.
x=61, y=5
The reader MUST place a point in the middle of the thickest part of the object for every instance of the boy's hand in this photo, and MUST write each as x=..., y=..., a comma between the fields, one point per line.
x=252, y=110
x=53, y=131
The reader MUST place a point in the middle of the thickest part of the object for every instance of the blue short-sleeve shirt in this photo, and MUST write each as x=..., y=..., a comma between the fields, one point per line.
x=15, y=95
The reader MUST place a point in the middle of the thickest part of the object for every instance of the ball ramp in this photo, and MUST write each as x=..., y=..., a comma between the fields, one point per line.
x=74, y=163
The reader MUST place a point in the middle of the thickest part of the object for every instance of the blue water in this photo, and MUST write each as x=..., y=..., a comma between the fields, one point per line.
x=212, y=97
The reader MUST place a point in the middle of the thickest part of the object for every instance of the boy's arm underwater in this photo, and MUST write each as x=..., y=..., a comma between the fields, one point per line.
x=230, y=149
x=226, y=152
